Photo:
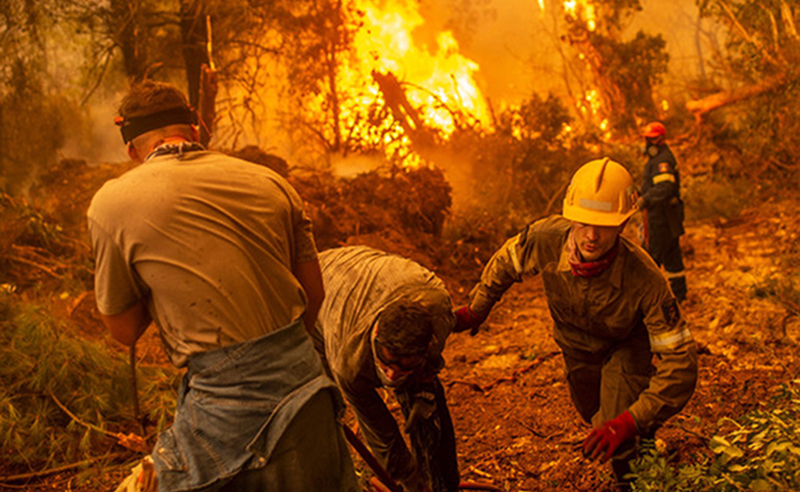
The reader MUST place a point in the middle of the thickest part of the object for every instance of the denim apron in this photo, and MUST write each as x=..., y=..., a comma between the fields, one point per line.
x=234, y=404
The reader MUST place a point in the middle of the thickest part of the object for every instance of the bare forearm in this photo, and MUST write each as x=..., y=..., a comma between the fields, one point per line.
x=127, y=326
x=310, y=277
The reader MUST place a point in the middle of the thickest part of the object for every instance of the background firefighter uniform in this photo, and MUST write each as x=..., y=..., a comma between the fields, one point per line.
x=663, y=214
x=608, y=326
x=360, y=282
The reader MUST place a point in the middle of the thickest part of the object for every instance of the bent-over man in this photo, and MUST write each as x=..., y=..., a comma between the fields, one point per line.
x=384, y=323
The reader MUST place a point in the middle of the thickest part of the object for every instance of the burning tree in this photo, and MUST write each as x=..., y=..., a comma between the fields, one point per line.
x=622, y=72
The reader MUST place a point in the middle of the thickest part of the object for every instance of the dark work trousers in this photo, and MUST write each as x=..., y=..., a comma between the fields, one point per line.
x=666, y=250
x=604, y=386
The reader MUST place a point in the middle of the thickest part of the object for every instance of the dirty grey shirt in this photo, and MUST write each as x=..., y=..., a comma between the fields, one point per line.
x=209, y=242
x=360, y=282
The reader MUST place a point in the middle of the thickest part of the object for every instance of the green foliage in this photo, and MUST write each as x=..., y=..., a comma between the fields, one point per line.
x=42, y=365
x=39, y=231
x=762, y=36
x=623, y=72
x=761, y=454
x=653, y=472
x=762, y=49
x=522, y=169
x=634, y=67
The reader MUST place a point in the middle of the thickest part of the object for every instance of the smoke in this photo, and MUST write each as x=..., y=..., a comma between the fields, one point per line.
x=516, y=42
x=94, y=137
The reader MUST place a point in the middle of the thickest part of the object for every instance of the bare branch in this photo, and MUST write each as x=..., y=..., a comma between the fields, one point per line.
x=715, y=101
x=788, y=19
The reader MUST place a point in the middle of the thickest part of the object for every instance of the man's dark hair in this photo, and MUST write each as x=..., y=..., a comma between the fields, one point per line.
x=150, y=97
x=405, y=328
x=254, y=154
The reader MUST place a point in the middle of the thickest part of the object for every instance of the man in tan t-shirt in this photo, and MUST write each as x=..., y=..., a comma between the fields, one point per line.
x=219, y=253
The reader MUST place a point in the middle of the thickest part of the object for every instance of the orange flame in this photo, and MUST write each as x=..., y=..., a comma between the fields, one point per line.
x=437, y=79
x=581, y=10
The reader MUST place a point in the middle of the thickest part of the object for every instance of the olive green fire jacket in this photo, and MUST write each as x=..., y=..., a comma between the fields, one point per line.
x=629, y=300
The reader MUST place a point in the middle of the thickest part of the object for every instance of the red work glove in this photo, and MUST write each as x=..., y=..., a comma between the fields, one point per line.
x=608, y=437
x=466, y=319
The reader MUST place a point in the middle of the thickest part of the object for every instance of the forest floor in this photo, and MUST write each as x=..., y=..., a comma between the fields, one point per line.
x=515, y=425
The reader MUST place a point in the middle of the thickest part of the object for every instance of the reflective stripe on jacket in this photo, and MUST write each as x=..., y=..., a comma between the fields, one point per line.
x=661, y=193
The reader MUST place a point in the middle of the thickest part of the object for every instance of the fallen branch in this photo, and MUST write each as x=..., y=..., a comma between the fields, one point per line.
x=129, y=441
x=478, y=486
x=536, y=433
x=472, y=385
x=35, y=265
x=723, y=98
x=77, y=302
x=58, y=469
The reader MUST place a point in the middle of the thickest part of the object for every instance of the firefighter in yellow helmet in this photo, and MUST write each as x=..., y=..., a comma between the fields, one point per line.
x=613, y=311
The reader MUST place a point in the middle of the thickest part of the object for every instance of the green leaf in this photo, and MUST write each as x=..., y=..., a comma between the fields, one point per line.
x=760, y=485
x=721, y=446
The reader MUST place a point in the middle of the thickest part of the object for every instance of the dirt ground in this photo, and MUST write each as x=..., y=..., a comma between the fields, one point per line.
x=515, y=425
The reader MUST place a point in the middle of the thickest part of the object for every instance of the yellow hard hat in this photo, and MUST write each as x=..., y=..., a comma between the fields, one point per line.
x=601, y=193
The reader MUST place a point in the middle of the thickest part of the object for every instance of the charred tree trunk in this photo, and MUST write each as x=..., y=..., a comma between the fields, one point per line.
x=334, y=100
x=201, y=78
x=395, y=98
x=195, y=51
x=124, y=24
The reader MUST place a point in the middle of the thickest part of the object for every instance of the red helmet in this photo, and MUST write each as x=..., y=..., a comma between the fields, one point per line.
x=654, y=130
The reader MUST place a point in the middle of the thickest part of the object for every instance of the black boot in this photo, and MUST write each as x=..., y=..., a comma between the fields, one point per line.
x=621, y=468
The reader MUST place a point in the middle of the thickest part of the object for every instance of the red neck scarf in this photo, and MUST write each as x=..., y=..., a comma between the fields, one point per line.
x=582, y=268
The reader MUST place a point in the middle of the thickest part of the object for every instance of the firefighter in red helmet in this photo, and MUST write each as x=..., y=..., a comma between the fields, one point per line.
x=662, y=207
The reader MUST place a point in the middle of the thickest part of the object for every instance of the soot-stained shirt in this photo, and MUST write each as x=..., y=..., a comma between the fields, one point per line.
x=209, y=242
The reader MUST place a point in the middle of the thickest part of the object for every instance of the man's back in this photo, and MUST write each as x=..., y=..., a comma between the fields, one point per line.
x=212, y=239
